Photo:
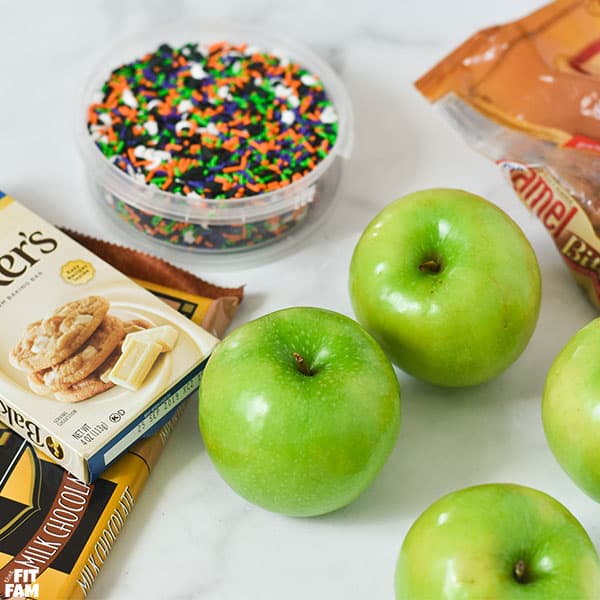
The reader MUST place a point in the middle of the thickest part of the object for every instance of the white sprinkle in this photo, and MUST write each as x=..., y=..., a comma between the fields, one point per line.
x=328, y=115
x=223, y=91
x=284, y=61
x=188, y=237
x=105, y=118
x=185, y=51
x=128, y=98
x=181, y=125
x=281, y=91
x=307, y=79
x=212, y=129
x=160, y=154
x=197, y=71
x=151, y=127
x=152, y=104
x=184, y=106
x=258, y=80
x=293, y=101
x=154, y=156
x=236, y=67
x=288, y=117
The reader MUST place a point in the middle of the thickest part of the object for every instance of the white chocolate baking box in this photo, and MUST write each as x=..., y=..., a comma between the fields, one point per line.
x=89, y=361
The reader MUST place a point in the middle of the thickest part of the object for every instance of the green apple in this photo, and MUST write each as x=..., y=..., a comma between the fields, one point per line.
x=571, y=408
x=448, y=285
x=299, y=410
x=497, y=541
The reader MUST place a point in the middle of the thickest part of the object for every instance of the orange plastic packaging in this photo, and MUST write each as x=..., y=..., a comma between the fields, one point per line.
x=527, y=94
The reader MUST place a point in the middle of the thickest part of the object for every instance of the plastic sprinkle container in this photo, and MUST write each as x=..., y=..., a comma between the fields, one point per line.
x=214, y=139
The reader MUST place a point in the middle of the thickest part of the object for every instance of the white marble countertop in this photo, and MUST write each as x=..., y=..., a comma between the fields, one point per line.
x=190, y=536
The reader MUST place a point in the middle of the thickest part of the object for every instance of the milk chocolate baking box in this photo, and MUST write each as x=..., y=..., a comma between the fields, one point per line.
x=55, y=530
x=89, y=361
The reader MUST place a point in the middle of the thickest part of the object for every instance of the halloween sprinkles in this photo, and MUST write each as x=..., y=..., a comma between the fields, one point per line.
x=221, y=122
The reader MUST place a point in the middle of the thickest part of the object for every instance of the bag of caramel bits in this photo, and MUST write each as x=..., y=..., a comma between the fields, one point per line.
x=527, y=95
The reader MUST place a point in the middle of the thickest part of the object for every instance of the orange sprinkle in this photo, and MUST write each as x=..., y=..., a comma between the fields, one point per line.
x=150, y=175
x=132, y=157
x=92, y=116
x=112, y=136
x=231, y=144
x=169, y=180
x=307, y=145
x=183, y=164
x=239, y=167
x=241, y=132
x=216, y=47
x=305, y=104
x=262, y=148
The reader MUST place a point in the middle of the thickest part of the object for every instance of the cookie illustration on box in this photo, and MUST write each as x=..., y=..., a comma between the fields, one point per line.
x=82, y=350
x=51, y=340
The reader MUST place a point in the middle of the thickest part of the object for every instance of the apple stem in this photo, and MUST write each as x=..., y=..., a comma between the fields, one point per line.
x=301, y=364
x=520, y=571
x=430, y=266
